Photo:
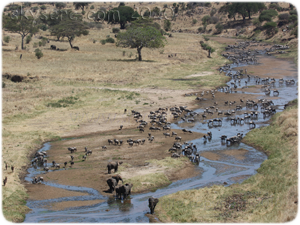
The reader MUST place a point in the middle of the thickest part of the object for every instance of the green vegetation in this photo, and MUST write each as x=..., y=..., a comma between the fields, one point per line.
x=38, y=53
x=121, y=15
x=167, y=25
x=267, y=15
x=7, y=39
x=64, y=102
x=141, y=37
x=20, y=26
x=2, y=84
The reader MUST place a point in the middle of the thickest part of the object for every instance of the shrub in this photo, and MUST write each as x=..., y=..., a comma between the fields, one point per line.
x=219, y=27
x=295, y=32
x=206, y=38
x=212, y=12
x=7, y=39
x=38, y=53
x=207, y=4
x=201, y=29
x=44, y=27
x=275, y=6
x=28, y=39
x=214, y=19
x=103, y=42
x=110, y=40
x=92, y=7
x=256, y=22
x=3, y=84
x=267, y=15
x=167, y=25
x=194, y=21
x=293, y=12
x=284, y=16
x=43, y=7
x=270, y=27
x=205, y=20
x=293, y=18
x=116, y=30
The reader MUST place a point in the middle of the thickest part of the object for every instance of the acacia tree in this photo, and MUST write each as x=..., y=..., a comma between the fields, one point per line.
x=21, y=25
x=81, y=5
x=141, y=37
x=244, y=9
x=70, y=29
x=121, y=15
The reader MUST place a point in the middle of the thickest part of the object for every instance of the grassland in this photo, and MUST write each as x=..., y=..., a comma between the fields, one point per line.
x=78, y=91
x=269, y=196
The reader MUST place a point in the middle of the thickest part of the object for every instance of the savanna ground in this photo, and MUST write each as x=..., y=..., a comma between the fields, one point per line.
x=82, y=92
x=77, y=83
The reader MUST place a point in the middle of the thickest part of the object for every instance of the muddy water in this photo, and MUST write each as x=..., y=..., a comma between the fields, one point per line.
x=220, y=165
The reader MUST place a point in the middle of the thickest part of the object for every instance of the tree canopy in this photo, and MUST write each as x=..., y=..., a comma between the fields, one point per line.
x=69, y=29
x=81, y=5
x=121, y=15
x=141, y=37
x=244, y=9
x=21, y=25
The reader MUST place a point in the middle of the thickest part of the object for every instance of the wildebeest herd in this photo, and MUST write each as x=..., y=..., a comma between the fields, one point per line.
x=158, y=120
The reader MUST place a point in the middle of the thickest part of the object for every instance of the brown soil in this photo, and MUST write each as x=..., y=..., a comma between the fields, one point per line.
x=93, y=172
x=63, y=205
x=237, y=153
x=42, y=192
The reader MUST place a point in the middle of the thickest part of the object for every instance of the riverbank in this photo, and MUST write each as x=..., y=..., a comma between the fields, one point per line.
x=268, y=196
x=58, y=105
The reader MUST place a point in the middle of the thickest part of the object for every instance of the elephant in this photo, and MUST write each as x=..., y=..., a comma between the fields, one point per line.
x=113, y=182
x=113, y=165
x=124, y=190
x=152, y=203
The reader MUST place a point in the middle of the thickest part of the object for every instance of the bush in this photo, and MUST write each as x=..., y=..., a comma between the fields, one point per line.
x=212, y=12
x=110, y=40
x=38, y=53
x=43, y=7
x=205, y=20
x=256, y=22
x=103, y=42
x=219, y=27
x=167, y=25
x=28, y=39
x=207, y=4
x=293, y=18
x=270, y=27
x=284, y=16
x=214, y=19
x=267, y=15
x=44, y=27
x=92, y=7
x=275, y=6
x=60, y=5
x=7, y=39
x=293, y=12
x=3, y=84
x=116, y=30
x=206, y=38
x=295, y=32
x=194, y=21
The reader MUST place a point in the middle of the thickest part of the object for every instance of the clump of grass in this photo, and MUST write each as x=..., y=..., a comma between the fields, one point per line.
x=64, y=102
x=148, y=182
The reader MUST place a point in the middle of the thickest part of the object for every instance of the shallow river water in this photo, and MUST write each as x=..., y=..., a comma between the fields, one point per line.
x=229, y=169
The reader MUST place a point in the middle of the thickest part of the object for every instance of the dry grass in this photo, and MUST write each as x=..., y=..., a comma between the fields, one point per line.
x=269, y=196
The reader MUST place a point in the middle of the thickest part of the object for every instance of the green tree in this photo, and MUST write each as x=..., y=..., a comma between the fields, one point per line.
x=60, y=5
x=167, y=25
x=21, y=25
x=69, y=29
x=141, y=37
x=241, y=8
x=80, y=5
x=121, y=15
x=267, y=15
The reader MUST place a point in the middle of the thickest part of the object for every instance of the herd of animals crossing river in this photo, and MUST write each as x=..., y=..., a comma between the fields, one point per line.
x=223, y=130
